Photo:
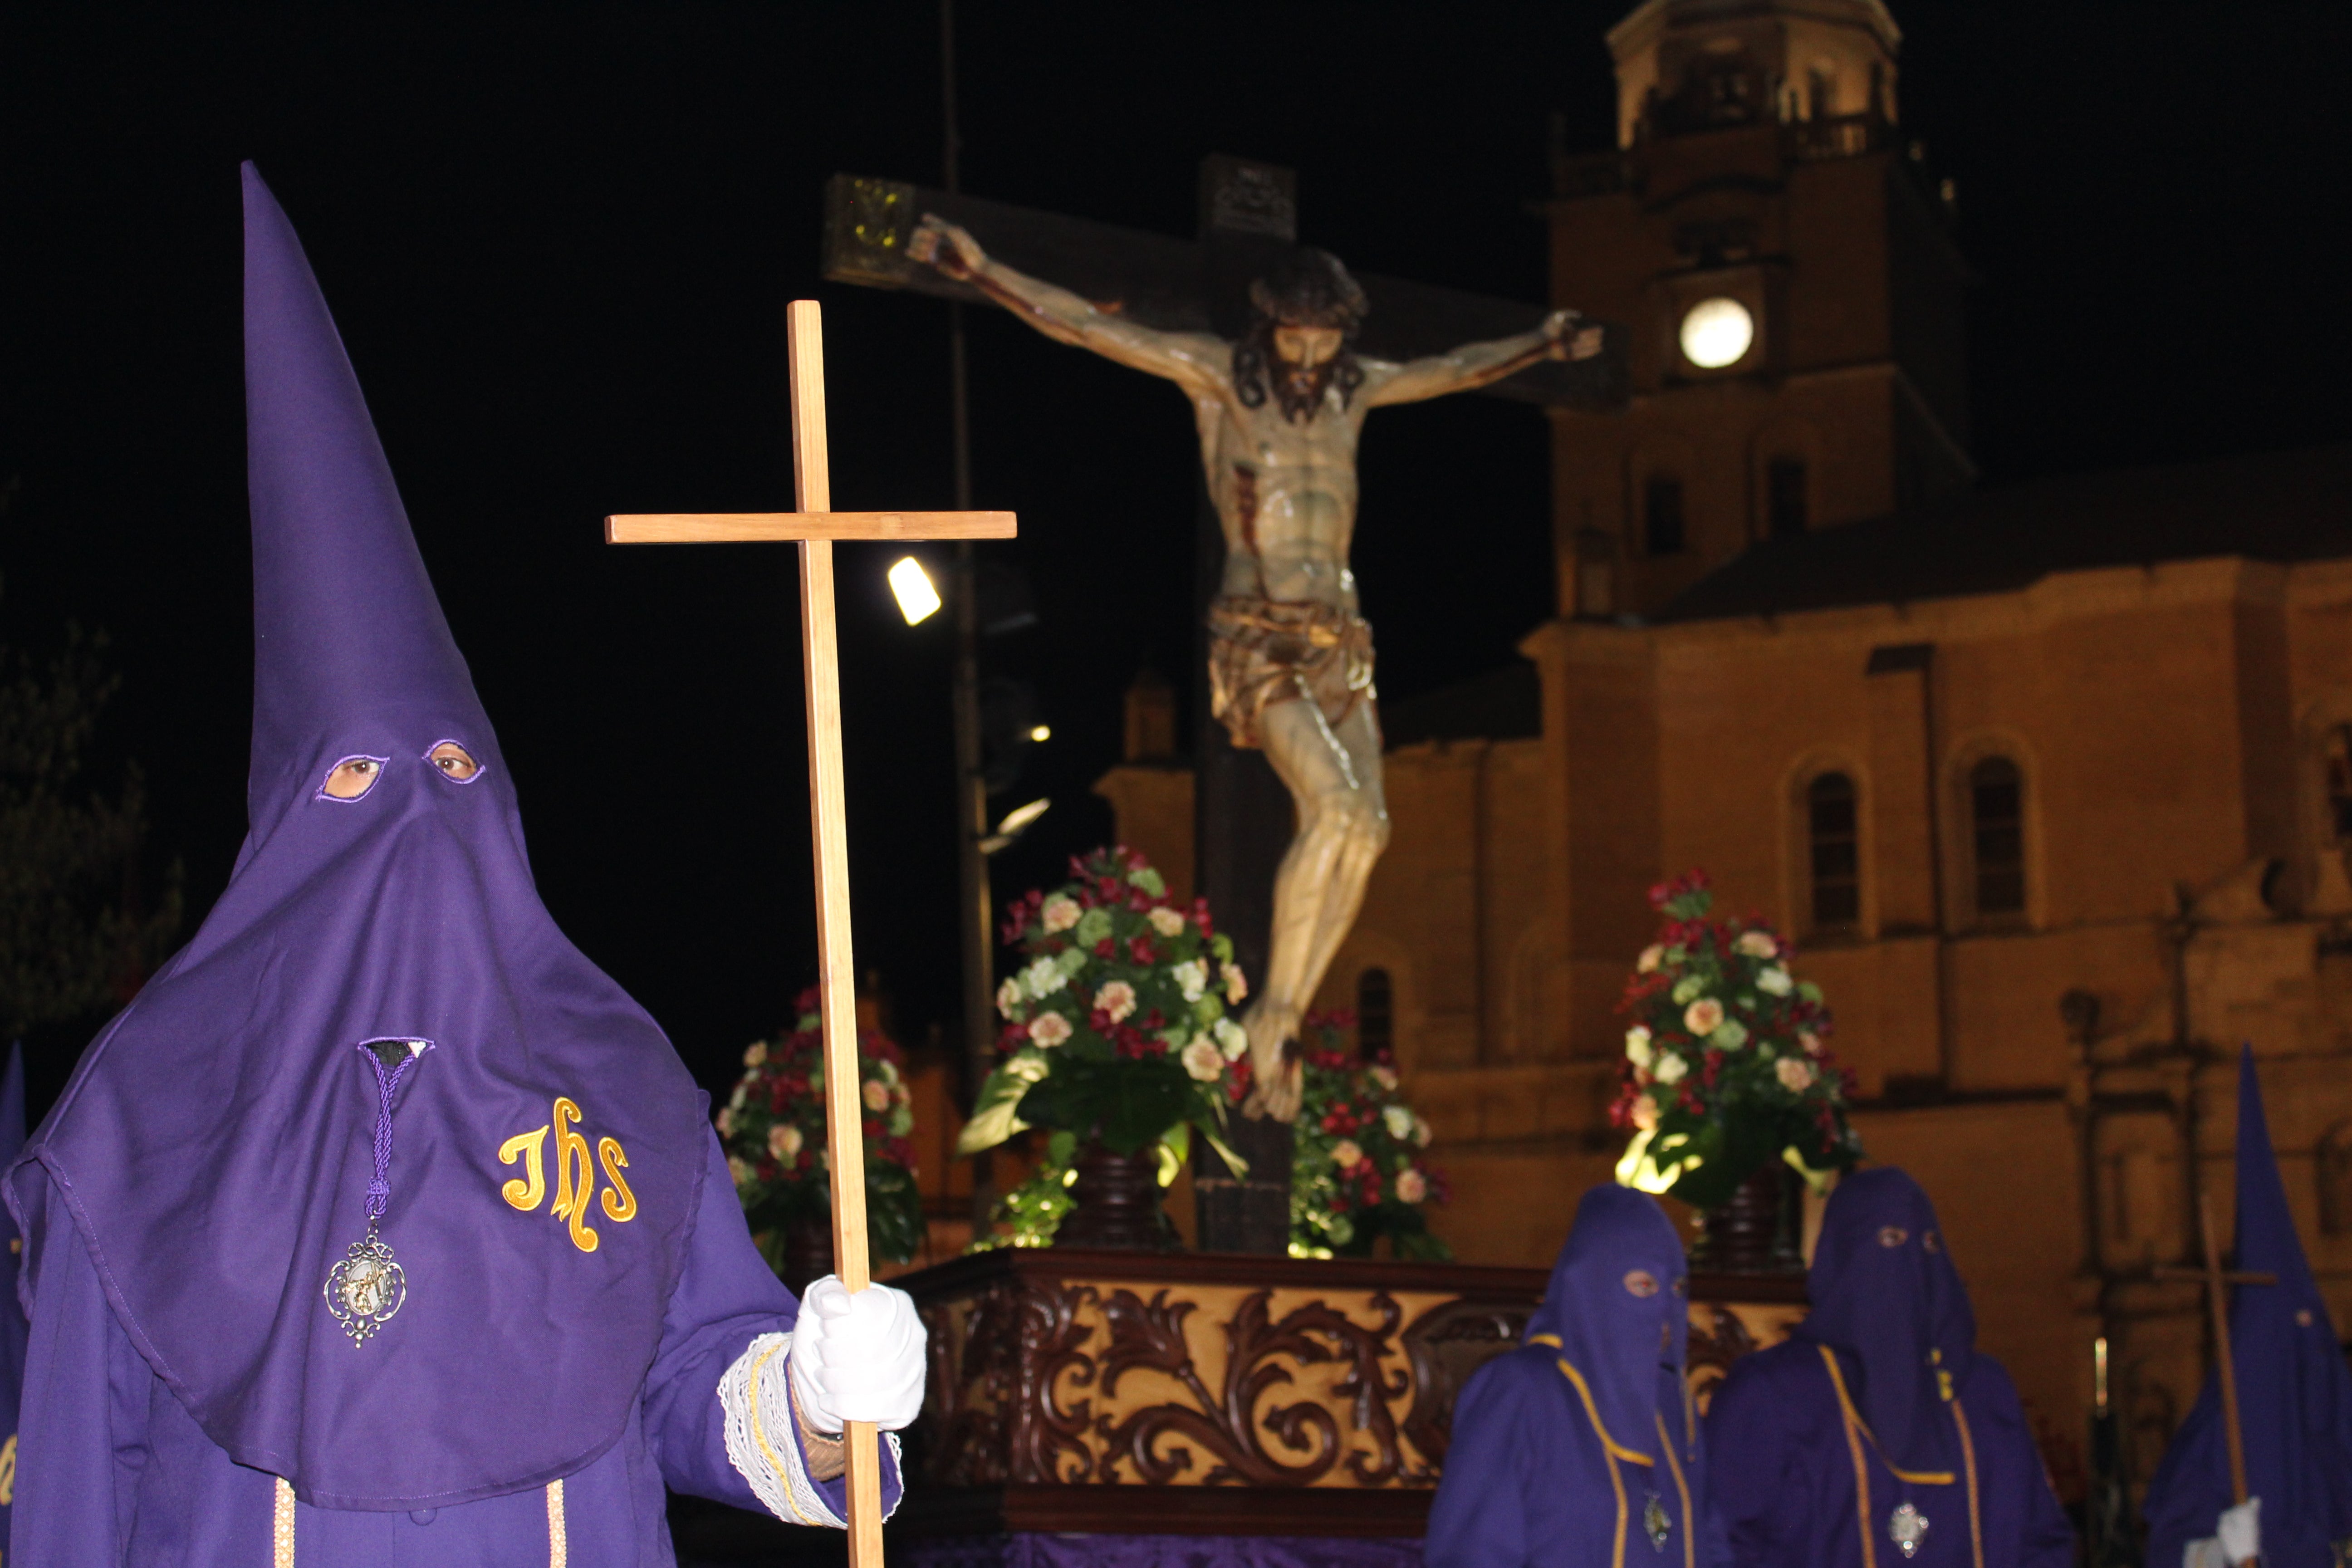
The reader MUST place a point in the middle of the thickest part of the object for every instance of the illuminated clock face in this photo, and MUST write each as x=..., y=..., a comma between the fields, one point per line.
x=1717, y=332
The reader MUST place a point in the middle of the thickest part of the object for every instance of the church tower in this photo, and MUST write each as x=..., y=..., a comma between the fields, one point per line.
x=1785, y=265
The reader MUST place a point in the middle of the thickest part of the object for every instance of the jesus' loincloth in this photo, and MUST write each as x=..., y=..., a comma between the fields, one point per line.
x=1263, y=651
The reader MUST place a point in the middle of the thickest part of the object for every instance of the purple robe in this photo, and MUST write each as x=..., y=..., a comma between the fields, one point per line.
x=1879, y=1403
x=1578, y=1450
x=379, y=1039
x=2294, y=1394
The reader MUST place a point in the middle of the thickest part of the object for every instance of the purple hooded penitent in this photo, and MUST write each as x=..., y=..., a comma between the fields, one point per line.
x=2295, y=1395
x=216, y=1147
x=1578, y=1449
x=1878, y=1422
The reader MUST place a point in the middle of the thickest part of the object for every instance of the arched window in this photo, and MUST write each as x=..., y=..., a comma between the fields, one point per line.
x=1375, y=1014
x=1661, y=515
x=1997, y=826
x=2334, y=1170
x=1834, y=852
x=2337, y=755
x=1784, y=497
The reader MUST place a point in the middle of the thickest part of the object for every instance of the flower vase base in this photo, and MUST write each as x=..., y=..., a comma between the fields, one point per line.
x=1116, y=1203
x=1755, y=1232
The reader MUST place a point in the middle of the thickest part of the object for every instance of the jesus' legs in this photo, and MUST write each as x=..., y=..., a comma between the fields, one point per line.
x=1334, y=779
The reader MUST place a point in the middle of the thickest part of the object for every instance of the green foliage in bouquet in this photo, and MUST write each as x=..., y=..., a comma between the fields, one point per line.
x=773, y=1129
x=1116, y=1024
x=1725, y=1064
x=1358, y=1170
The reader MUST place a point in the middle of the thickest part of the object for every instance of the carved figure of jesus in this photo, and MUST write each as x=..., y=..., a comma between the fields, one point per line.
x=1279, y=412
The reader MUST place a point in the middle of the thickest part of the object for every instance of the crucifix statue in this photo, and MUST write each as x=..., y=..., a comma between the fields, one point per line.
x=1280, y=410
x=814, y=526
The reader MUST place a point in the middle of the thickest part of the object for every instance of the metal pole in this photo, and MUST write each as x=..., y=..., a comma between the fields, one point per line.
x=978, y=913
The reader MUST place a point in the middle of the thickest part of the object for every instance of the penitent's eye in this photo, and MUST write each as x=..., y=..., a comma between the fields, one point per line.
x=454, y=762
x=351, y=778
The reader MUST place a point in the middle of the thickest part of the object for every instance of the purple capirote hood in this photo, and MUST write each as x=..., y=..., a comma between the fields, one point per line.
x=1618, y=1306
x=215, y=1145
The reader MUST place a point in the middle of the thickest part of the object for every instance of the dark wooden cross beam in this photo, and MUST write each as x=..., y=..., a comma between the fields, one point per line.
x=814, y=526
x=1248, y=219
x=2217, y=1282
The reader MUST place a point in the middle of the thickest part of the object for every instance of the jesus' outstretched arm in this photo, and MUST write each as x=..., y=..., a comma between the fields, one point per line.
x=1195, y=360
x=1563, y=336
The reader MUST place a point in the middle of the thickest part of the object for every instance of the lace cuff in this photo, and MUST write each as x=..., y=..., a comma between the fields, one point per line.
x=763, y=1439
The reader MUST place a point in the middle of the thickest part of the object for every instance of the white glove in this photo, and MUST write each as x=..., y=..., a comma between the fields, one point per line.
x=857, y=1358
x=2238, y=1537
x=2241, y=1530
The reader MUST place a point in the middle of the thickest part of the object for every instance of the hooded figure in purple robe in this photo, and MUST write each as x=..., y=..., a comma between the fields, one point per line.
x=1878, y=1434
x=1581, y=1450
x=13, y=1326
x=2294, y=1396
x=383, y=1227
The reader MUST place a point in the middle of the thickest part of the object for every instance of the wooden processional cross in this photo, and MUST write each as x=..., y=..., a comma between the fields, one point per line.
x=2217, y=1282
x=815, y=527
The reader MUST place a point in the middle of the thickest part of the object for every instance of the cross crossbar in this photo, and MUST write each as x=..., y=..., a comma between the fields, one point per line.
x=815, y=526
x=751, y=526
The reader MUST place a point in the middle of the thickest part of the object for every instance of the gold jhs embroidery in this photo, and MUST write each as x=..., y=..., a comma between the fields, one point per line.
x=575, y=1174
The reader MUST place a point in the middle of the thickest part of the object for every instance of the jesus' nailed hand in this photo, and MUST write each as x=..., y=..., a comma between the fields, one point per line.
x=1280, y=411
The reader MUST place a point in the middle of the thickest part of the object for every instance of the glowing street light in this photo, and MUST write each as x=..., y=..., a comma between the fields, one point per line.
x=918, y=599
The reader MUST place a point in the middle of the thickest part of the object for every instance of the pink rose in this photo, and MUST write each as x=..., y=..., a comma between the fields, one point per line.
x=1412, y=1186
x=1049, y=1029
x=1795, y=1076
x=1117, y=999
x=877, y=1095
x=1703, y=1017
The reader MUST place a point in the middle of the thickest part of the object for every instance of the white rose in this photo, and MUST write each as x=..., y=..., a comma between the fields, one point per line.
x=1060, y=913
x=1398, y=1121
x=1795, y=1076
x=1231, y=1039
x=1702, y=1018
x=784, y=1142
x=1044, y=978
x=742, y=1095
x=1166, y=921
x=755, y=1053
x=1412, y=1186
x=1203, y=1060
x=1670, y=1068
x=1774, y=981
x=1756, y=944
x=1049, y=1029
x=1117, y=999
x=1008, y=997
x=726, y=1122
x=1192, y=978
x=1638, y=1049
x=1347, y=1155
x=1384, y=1075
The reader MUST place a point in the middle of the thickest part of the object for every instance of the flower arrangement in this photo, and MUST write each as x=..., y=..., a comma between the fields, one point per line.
x=1116, y=1025
x=1725, y=1065
x=773, y=1127
x=1358, y=1170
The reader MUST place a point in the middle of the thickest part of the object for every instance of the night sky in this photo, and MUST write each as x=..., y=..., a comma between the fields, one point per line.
x=559, y=240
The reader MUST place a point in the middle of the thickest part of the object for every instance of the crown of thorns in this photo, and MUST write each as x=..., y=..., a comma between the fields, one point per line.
x=1310, y=290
